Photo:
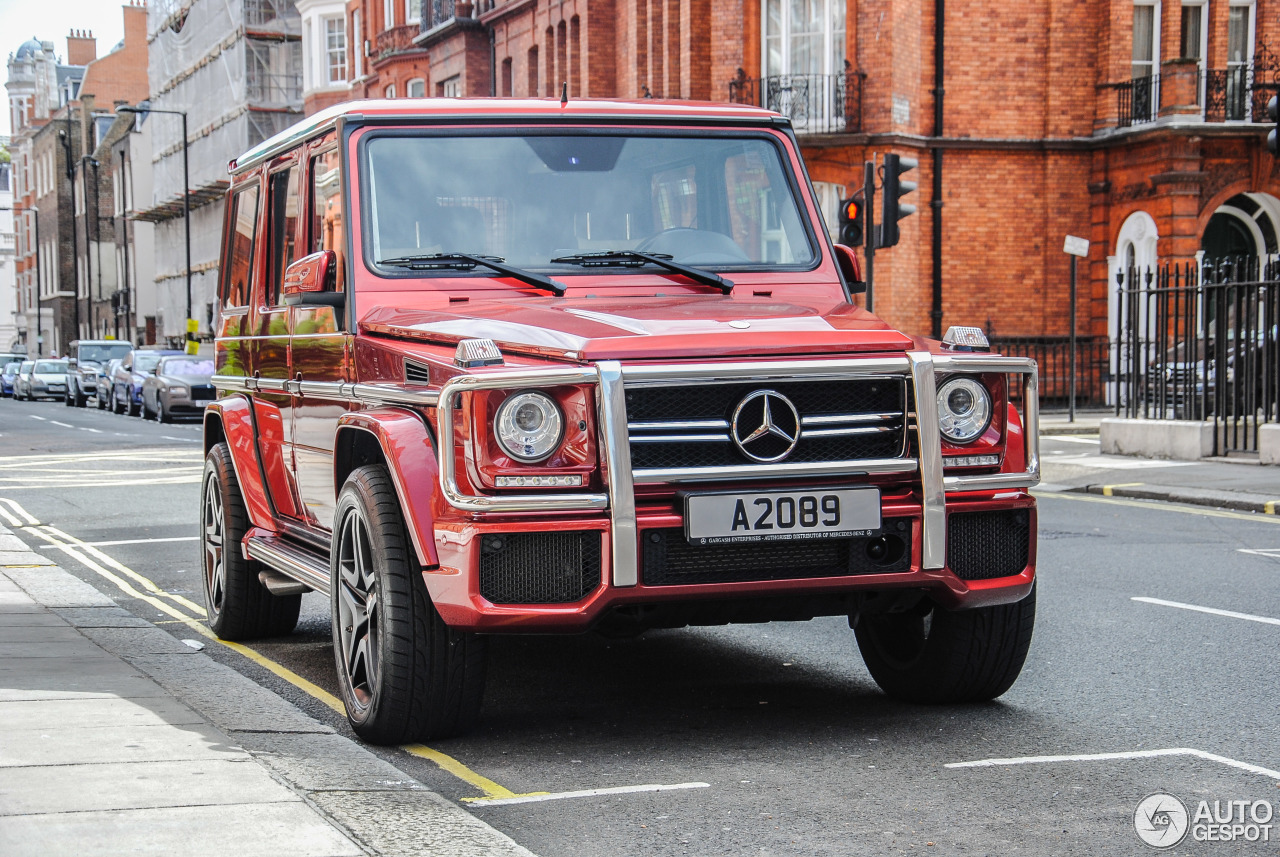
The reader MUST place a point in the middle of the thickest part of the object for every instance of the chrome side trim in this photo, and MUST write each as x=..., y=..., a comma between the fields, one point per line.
x=680, y=438
x=625, y=535
x=292, y=563
x=844, y=432
x=773, y=471
x=933, y=517
x=841, y=419
x=494, y=381
x=679, y=425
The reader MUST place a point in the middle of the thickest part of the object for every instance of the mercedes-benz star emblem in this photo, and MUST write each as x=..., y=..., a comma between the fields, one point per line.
x=766, y=426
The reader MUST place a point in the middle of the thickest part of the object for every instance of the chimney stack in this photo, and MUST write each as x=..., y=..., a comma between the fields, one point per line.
x=82, y=47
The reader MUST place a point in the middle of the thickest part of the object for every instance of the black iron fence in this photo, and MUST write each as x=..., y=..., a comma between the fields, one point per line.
x=1137, y=100
x=815, y=103
x=1053, y=356
x=1201, y=343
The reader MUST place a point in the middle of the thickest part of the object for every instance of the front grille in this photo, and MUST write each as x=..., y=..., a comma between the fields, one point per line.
x=203, y=393
x=539, y=568
x=669, y=559
x=984, y=545
x=685, y=426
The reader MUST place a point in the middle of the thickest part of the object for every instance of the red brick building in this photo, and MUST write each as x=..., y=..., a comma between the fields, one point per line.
x=1137, y=124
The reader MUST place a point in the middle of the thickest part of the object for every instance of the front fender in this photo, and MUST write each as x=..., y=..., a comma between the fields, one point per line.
x=409, y=452
x=230, y=419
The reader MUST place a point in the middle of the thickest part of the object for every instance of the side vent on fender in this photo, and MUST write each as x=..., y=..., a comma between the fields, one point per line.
x=416, y=373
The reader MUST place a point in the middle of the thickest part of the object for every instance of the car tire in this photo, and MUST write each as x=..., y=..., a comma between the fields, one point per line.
x=162, y=414
x=117, y=406
x=934, y=656
x=239, y=607
x=132, y=408
x=98, y=401
x=404, y=675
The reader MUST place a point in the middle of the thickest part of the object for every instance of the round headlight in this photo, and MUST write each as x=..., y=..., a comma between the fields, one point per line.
x=964, y=410
x=528, y=426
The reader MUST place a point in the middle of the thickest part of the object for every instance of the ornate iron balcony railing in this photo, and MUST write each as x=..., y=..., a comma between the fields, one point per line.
x=815, y=103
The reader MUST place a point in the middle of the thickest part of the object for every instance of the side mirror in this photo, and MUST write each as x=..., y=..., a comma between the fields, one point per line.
x=850, y=270
x=310, y=281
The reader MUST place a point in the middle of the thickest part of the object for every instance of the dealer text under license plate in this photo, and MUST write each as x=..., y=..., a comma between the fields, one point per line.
x=781, y=515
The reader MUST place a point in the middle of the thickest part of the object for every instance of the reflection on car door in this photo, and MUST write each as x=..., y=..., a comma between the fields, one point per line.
x=319, y=345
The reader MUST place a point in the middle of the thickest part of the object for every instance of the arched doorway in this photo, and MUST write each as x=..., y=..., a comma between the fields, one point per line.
x=1245, y=225
x=1135, y=255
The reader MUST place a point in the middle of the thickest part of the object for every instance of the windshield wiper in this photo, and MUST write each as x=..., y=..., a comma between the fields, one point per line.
x=608, y=258
x=466, y=262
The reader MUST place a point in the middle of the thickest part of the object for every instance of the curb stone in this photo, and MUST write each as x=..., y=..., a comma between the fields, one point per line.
x=380, y=807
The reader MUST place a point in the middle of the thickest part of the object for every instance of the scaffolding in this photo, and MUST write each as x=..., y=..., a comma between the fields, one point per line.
x=234, y=68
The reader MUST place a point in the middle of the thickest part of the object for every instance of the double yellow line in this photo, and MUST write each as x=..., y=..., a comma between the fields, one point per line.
x=189, y=613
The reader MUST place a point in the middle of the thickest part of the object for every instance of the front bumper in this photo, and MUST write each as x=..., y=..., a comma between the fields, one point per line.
x=925, y=499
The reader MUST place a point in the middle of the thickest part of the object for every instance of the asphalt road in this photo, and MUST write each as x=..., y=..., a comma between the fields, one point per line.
x=800, y=751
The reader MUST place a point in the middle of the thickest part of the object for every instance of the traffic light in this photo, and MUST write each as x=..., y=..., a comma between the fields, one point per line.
x=851, y=221
x=1273, y=113
x=894, y=189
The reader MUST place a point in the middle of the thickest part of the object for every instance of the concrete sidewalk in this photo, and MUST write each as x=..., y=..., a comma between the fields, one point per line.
x=1071, y=461
x=116, y=738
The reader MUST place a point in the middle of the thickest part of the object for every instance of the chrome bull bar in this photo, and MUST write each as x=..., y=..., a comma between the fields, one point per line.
x=610, y=378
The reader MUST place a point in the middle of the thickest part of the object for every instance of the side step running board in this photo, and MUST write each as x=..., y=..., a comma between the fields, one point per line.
x=297, y=564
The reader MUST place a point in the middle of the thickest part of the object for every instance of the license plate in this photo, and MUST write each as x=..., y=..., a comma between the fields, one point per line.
x=711, y=519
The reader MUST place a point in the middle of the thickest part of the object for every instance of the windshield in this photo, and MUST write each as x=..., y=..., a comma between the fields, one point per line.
x=11, y=368
x=50, y=367
x=187, y=366
x=101, y=353
x=720, y=201
x=145, y=361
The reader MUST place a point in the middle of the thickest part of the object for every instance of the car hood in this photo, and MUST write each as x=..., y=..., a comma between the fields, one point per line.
x=50, y=377
x=647, y=327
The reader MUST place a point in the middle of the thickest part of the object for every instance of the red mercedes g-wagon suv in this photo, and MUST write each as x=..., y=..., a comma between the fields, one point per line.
x=522, y=366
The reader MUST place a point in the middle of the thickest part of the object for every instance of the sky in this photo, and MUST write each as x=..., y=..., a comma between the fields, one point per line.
x=52, y=20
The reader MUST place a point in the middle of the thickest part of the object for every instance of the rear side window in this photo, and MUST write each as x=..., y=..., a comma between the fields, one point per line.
x=326, y=207
x=284, y=228
x=239, y=256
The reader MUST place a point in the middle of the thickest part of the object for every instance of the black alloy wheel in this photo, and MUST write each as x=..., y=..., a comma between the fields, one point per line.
x=935, y=656
x=404, y=675
x=239, y=607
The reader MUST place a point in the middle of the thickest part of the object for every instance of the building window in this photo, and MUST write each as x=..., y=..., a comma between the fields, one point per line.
x=829, y=197
x=413, y=11
x=533, y=72
x=451, y=87
x=506, y=78
x=1146, y=40
x=804, y=36
x=390, y=91
x=416, y=88
x=335, y=49
x=388, y=14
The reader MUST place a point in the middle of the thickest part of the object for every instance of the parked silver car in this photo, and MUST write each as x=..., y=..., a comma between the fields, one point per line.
x=47, y=379
x=180, y=386
x=102, y=392
x=126, y=381
x=22, y=381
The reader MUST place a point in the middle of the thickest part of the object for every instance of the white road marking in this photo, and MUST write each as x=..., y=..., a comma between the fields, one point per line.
x=181, y=480
x=1230, y=614
x=1064, y=438
x=64, y=425
x=1108, y=757
x=1117, y=462
x=618, y=790
x=128, y=542
x=94, y=430
x=183, y=439
x=34, y=417
x=1274, y=553
x=17, y=510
